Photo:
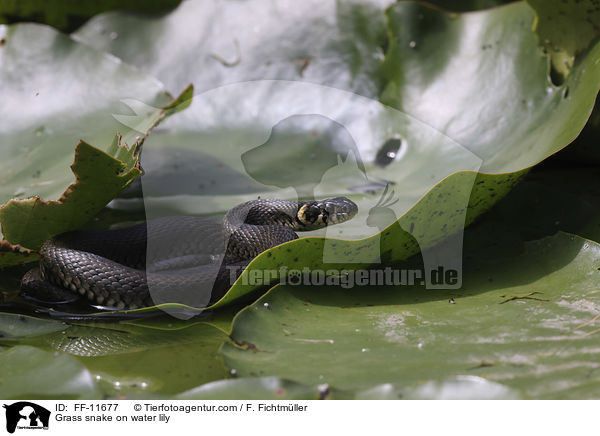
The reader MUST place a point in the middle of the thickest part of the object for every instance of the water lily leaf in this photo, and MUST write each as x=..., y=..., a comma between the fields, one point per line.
x=145, y=357
x=274, y=388
x=158, y=357
x=220, y=320
x=521, y=118
x=28, y=372
x=99, y=175
x=261, y=388
x=527, y=321
x=14, y=254
x=342, y=40
x=66, y=92
x=457, y=388
x=20, y=326
x=424, y=59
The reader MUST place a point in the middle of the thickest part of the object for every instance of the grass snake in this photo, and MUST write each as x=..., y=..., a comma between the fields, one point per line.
x=175, y=259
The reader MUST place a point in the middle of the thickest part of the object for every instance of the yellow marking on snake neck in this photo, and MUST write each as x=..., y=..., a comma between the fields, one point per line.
x=300, y=214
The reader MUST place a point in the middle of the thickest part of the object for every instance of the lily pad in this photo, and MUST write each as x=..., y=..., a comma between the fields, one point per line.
x=425, y=57
x=339, y=42
x=100, y=175
x=457, y=388
x=526, y=321
x=29, y=372
x=21, y=326
x=164, y=364
x=14, y=254
x=99, y=178
x=512, y=116
x=265, y=388
x=125, y=359
x=274, y=388
x=67, y=92
x=583, y=150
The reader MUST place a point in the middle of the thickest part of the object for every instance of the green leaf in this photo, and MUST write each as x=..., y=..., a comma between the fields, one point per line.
x=28, y=372
x=457, y=388
x=520, y=118
x=14, y=254
x=343, y=39
x=137, y=358
x=527, y=321
x=70, y=93
x=274, y=388
x=430, y=69
x=19, y=326
x=265, y=388
x=99, y=175
x=150, y=362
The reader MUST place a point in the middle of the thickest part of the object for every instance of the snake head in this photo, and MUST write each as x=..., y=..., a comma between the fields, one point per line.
x=313, y=215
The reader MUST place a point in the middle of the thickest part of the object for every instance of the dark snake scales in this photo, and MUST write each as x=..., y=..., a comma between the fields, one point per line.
x=176, y=259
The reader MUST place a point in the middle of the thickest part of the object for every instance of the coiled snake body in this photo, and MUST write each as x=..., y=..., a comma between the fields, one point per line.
x=177, y=259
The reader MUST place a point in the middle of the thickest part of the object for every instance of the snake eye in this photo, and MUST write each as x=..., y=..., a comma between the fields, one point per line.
x=317, y=215
x=312, y=214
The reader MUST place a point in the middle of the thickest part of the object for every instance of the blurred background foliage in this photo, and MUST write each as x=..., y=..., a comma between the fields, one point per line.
x=68, y=15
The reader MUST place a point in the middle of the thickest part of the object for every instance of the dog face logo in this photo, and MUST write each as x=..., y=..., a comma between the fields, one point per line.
x=26, y=415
